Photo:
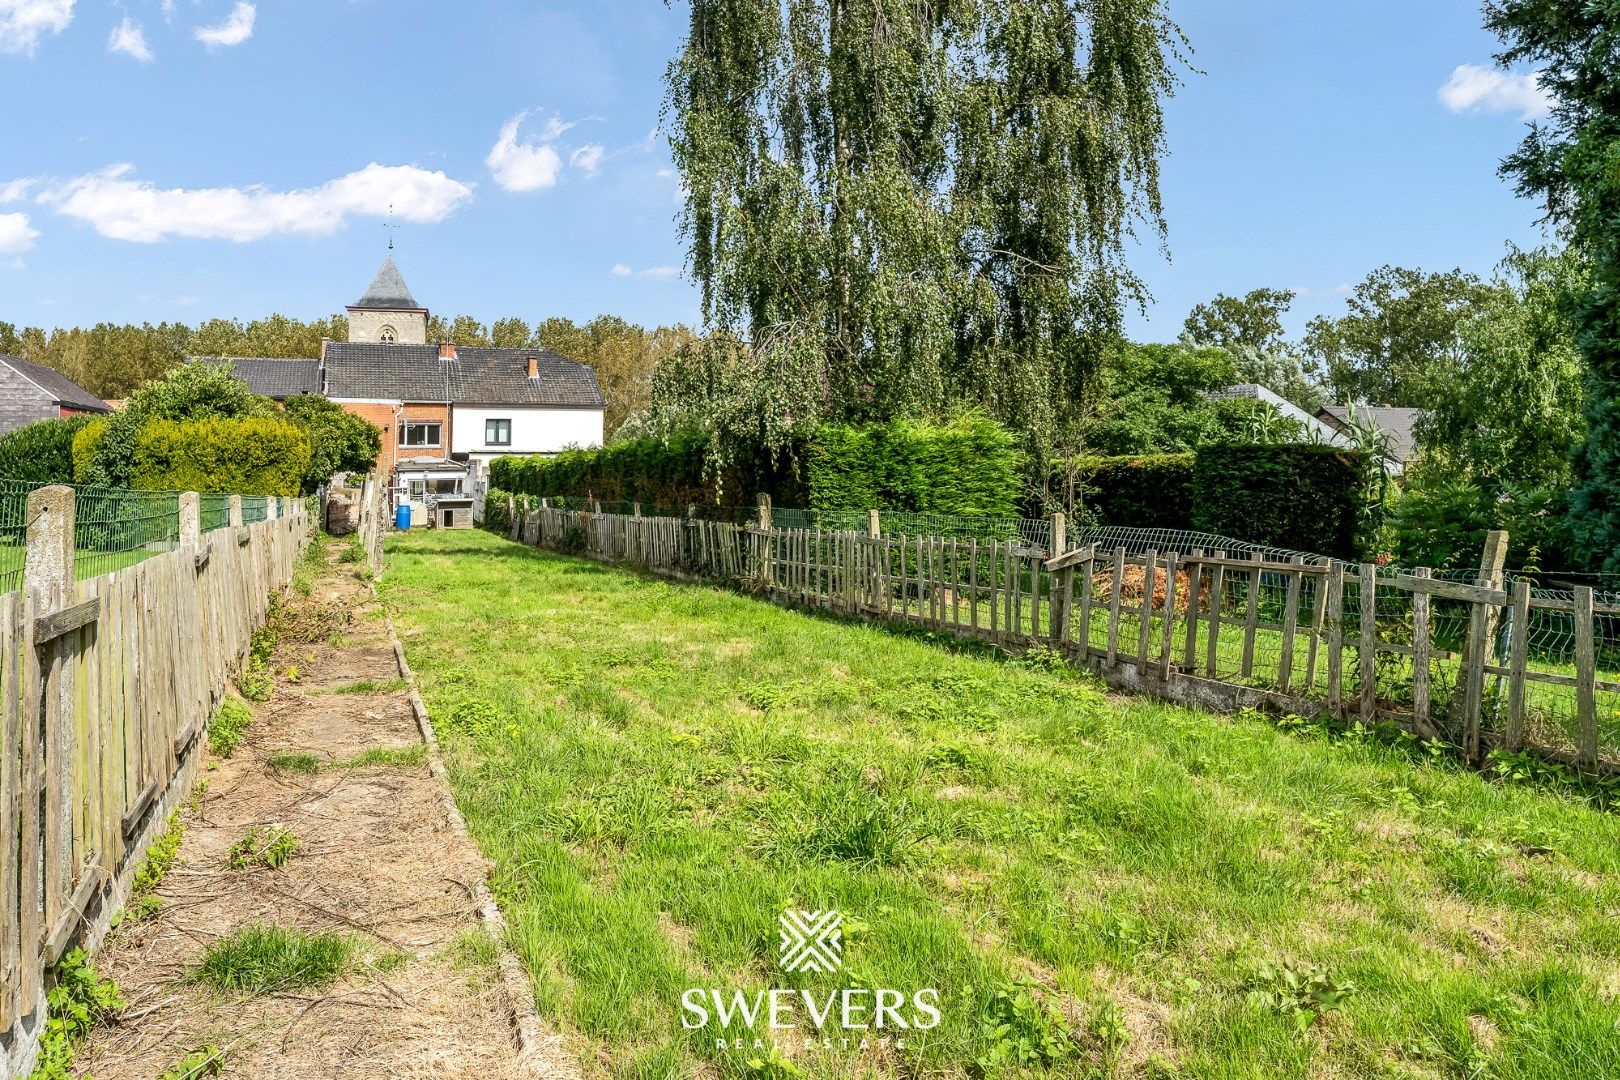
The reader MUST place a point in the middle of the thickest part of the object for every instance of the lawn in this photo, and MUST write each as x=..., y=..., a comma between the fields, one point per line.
x=1092, y=885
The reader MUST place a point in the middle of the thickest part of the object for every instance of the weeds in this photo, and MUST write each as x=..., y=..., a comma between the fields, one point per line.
x=229, y=724
x=76, y=1001
x=298, y=762
x=261, y=959
x=269, y=848
x=387, y=757
x=371, y=686
x=1303, y=993
x=204, y=1061
x=160, y=856
x=1020, y=1031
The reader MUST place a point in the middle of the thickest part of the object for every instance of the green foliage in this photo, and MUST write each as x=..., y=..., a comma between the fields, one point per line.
x=1154, y=399
x=250, y=456
x=105, y=451
x=264, y=959
x=269, y=847
x=1307, y=498
x=160, y=856
x=1442, y=523
x=497, y=515
x=1020, y=1031
x=904, y=208
x=1572, y=163
x=1292, y=495
x=1153, y=491
x=1251, y=321
x=669, y=473
x=78, y=998
x=1399, y=344
x=229, y=723
x=41, y=452
x=970, y=465
x=1303, y=993
x=202, y=1062
x=339, y=441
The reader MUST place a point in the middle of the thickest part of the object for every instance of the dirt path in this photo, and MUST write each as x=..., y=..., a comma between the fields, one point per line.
x=376, y=861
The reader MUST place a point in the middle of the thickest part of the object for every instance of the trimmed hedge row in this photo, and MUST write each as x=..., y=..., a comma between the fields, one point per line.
x=1295, y=496
x=41, y=452
x=250, y=456
x=968, y=466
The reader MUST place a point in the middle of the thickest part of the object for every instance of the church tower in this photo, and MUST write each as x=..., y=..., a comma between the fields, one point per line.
x=387, y=313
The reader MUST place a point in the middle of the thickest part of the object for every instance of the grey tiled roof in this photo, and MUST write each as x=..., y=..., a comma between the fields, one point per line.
x=388, y=289
x=1396, y=423
x=62, y=390
x=278, y=379
x=415, y=373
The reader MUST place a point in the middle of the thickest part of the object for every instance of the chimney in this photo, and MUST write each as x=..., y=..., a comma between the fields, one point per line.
x=325, y=341
x=447, y=351
x=534, y=367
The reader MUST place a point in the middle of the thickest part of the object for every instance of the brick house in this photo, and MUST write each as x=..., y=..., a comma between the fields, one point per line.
x=445, y=410
x=29, y=392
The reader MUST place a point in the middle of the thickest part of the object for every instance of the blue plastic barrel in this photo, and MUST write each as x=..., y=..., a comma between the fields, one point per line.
x=402, y=516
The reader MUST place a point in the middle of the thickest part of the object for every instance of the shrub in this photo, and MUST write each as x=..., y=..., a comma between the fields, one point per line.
x=970, y=465
x=1153, y=491
x=41, y=452
x=339, y=441
x=1442, y=523
x=497, y=516
x=1296, y=496
x=250, y=456
x=86, y=451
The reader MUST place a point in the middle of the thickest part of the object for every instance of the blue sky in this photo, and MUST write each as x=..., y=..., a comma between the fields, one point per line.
x=181, y=159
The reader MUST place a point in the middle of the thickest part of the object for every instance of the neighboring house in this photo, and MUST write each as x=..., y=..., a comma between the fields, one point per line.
x=1398, y=425
x=1310, y=426
x=445, y=410
x=29, y=392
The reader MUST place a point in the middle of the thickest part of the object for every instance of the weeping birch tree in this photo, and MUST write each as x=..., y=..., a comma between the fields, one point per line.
x=899, y=207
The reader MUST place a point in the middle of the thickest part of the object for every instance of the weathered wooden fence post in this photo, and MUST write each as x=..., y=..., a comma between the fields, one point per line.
x=1057, y=608
x=46, y=708
x=235, y=511
x=874, y=526
x=1585, y=676
x=1468, y=700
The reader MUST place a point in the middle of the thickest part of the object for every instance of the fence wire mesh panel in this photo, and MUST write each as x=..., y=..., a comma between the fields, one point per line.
x=1448, y=656
x=13, y=530
x=255, y=508
x=214, y=512
x=115, y=528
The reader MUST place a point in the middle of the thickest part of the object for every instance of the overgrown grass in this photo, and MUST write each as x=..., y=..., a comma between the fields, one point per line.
x=269, y=847
x=371, y=686
x=1094, y=886
x=298, y=762
x=263, y=959
x=229, y=723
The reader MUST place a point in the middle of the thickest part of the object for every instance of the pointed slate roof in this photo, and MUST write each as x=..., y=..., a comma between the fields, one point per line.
x=60, y=389
x=388, y=290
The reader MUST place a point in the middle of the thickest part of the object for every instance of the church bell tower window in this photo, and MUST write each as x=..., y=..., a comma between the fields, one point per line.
x=386, y=335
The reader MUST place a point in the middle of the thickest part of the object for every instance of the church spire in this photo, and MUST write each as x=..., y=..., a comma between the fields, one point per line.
x=388, y=289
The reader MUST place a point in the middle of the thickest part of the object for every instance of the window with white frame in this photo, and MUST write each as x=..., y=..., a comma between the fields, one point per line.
x=498, y=432
x=413, y=433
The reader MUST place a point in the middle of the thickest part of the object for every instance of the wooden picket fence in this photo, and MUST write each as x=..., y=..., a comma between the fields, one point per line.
x=1312, y=638
x=106, y=686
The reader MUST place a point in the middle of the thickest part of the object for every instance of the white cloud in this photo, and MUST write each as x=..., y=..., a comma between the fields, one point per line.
x=23, y=22
x=525, y=166
x=651, y=273
x=237, y=27
x=14, y=190
x=587, y=158
x=168, y=11
x=15, y=234
x=128, y=38
x=1472, y=88
x=123, y=208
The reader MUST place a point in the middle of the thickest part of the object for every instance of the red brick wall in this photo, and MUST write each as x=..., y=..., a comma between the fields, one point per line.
x=387, y=417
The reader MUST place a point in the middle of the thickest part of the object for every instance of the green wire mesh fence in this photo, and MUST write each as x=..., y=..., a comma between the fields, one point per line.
x=13, y=530
x=214, y=511
x=255, y=508
x=115, y=528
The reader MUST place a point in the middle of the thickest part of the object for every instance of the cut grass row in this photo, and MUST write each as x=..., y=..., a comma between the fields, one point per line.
x=1092, y=885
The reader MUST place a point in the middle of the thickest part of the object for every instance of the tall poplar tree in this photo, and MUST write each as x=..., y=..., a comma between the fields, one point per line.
x=1572, y=163
x=905, y=205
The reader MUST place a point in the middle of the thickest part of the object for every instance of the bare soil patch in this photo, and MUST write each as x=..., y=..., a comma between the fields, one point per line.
x=376, y=860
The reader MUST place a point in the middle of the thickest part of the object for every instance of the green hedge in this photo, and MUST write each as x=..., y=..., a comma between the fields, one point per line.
x=970, y=466
x=1148, y=492
x=1297, y=496
x=249, y=456
x=1301, y=497
x=41, y=452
